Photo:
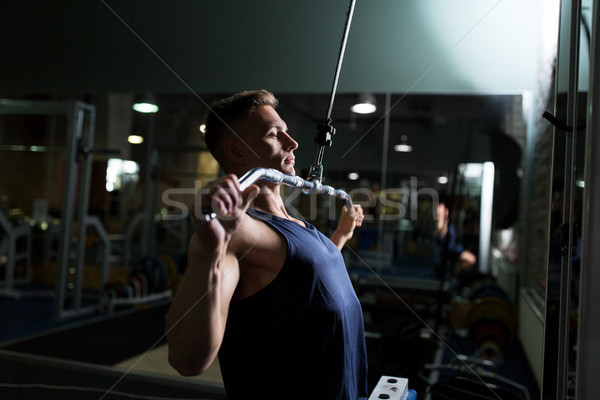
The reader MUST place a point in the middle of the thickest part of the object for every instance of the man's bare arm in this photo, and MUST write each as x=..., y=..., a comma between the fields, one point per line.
x=198, y=313
x=197, y=317
x=345, y=229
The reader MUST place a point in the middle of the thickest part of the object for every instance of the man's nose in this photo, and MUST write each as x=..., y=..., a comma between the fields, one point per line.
x=291, y=144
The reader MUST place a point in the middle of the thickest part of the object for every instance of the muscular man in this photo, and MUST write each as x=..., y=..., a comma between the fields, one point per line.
x=265, y=291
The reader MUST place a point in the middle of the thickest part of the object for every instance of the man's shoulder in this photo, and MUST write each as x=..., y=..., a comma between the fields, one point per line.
x=252, y=234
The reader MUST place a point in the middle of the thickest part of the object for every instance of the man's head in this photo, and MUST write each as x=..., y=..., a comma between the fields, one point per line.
x=223, y=113
x=244, y=131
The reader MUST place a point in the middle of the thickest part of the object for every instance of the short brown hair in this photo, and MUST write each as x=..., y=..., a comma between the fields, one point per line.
x=223, y=112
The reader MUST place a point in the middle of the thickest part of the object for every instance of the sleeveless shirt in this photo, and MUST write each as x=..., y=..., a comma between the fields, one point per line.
x=302, y=336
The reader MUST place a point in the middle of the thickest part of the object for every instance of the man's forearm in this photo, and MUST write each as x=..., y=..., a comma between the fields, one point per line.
x=339, y=239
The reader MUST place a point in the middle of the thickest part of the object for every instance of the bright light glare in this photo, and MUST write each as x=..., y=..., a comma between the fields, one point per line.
x=202, y=128
x=471, y=170
x=135, y=139
x=129, y=167
x=403, y=148
x=443, y=180
x=116, y=169
x=485, y=215
x=363, y=108
x=353, y=176
x=145, y=107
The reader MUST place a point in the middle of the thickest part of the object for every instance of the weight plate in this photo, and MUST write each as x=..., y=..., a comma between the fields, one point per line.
x=155, y=271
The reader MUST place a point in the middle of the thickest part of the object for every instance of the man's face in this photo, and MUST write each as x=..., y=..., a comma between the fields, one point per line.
x=266, y=141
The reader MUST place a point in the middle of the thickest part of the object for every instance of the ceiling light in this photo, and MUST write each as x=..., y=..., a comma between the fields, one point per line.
x=353, y=176
x=442, y=180
x=146, y=104
x=366, y=104
x=202, y=128
x=403, y=148
x=135, y=139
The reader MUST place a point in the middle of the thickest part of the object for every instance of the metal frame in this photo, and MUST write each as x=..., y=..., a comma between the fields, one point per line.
x=13, y=235
x=555, y=376
x=81, y=120
x=589, y=318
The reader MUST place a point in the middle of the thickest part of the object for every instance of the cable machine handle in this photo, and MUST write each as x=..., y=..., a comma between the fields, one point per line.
x=272, y=175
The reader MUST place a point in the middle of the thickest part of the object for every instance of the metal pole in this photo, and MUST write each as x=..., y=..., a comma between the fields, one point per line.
x=149, y=190
x=66, y=215
x=326, y=131
x=384, y=165
x=567, y=254
x=485, y=216
x=588, y=354
x=340, y=59
x=86, y=140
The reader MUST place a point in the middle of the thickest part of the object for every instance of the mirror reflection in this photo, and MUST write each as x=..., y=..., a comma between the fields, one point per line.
x=447, y=273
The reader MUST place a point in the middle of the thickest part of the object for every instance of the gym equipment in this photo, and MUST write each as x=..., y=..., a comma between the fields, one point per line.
x=325, y=130
x=144, y=285
x=137, y=287
x=154, y=270
x=390, y=387
x=110, y=291
x=487, y=289
x=12, y=234
x=471, y=378
x=78, y=151
x=491, y=319
x=461, y=388
x=142, y=281
x=273, y=175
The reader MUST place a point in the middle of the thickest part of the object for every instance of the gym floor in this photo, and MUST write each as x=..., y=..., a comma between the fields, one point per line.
x=112, y=353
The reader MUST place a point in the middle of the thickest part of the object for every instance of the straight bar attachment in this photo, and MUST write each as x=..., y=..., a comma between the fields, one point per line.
x=272, y=175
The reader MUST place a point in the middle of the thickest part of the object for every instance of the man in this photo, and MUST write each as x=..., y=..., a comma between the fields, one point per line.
x=462, y=260
x=266, y=291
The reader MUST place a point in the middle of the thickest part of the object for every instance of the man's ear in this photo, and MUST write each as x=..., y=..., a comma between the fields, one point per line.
x=233, y=150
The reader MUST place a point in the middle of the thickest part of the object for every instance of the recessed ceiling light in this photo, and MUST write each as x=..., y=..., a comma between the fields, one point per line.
x=363, y=108
x=403, y=148
x=145, y=108
x=353, y=176
x=366, y=104
x=135, y=139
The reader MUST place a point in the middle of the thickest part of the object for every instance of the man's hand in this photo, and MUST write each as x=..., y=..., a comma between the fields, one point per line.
x=348, y=221
x=228, y=202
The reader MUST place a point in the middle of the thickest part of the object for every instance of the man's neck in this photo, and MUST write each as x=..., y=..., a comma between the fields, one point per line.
x=269, y=200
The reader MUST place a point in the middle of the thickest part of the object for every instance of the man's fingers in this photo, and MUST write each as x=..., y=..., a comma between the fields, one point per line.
x=222, y=202
x=358, y=214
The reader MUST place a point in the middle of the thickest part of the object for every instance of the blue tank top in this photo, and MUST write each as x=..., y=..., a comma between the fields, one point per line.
x=302, y=336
